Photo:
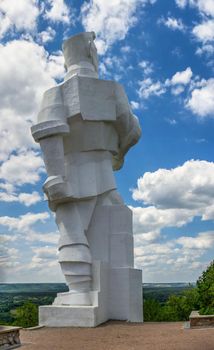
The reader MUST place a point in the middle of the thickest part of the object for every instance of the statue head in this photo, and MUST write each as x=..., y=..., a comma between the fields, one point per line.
x=80, y=49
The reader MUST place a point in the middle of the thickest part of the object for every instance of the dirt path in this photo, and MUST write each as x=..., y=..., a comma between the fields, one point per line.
x=120, y=336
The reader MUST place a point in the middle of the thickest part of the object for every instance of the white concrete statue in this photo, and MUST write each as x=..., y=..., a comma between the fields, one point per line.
x=85, y=128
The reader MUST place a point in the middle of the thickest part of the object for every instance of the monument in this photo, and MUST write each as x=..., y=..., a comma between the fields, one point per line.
x=85, y=128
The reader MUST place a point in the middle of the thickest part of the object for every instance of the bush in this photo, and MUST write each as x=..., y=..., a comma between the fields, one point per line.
x=177, y=308
x=205, y=287
x=26, y=315
x=151, y=310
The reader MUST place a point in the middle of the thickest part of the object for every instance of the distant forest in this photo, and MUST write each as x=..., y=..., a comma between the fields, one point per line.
x=13, y=296
x=161, y=302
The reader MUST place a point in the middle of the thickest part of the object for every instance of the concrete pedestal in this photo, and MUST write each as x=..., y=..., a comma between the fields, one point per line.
x=117, y=287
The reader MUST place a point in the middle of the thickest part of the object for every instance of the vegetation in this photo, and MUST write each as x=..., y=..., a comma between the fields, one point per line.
x=205, y=288
x=14, y=296
x=19, y=302
x=26, y=315
x=178, y=307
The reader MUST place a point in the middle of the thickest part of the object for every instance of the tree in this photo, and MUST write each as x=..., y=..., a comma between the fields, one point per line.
x=151, y=310
x=26, y=315
x=205, y=287
x=182, y=305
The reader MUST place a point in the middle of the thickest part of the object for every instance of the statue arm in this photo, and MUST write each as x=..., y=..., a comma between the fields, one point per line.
x=49, y=132
x=127, y=126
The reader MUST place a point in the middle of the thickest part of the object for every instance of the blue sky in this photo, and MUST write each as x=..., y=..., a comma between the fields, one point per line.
x=162, y=52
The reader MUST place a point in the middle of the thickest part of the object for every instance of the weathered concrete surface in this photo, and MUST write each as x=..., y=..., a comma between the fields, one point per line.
x=197, y=320
x=116, y=335
x=9, y=337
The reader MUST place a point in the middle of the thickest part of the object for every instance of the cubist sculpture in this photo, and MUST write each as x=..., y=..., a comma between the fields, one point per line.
x=85, y=128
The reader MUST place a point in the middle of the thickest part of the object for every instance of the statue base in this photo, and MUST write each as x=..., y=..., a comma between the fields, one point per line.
x=121, y=300
x=117, y=287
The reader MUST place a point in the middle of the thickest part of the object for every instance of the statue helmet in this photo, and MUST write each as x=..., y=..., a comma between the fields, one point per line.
x=78, y=48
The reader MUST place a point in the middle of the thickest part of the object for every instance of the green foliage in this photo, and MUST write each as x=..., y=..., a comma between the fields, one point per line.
x=177, y=307
x=205, y=287
x=26, y=315
x=151, y=310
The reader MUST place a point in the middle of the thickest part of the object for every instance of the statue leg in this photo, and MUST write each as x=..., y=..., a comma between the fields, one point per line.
x=75, y=260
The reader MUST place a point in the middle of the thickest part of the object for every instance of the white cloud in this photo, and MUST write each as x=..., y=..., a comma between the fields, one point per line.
x=23, y=198
x=26, y=71
x=171, y=121
x=177, y=90
x=149, y=88
x=190, y=186
x=14, y=132
x=58, y=12
x=201, y=101
x=3, y=259
x=135, y=105
x=152, y=219
x=174, y=197
x=21, y=14
x=29, y=198
x=24, y=222
x=204, y=6
x=183, y=77
x=125, y=49
x=181, y=3
x=25, y=74
x=203, y=240
x=44, y=237
x=47, y=35
x=147, y=67
x=24, y=168
x=177, y=259
x=173, y=23
x=111, y=20
x=206, y=48
x=44, y=258
x=205, y=31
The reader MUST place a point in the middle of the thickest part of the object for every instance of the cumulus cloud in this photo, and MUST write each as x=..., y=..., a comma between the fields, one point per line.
x=183, y=77
x=174, y=198
x=147, y=67
x=24, y=168
x=190, y=186
x=58, y=11
x=201, y=100
x=204, y=240
x=25, y=74
x=151, y=219
x=26, y=71
x=3, y=259
x=148, y=88
x=205, y=31
x=114, y=18
x=27, y=199
x=23, y=222
x=181, y=3
x=47, y=35
x=135, y=105
x=173, y=23
x=21, y=15
x=204, y=6
x=177, y=259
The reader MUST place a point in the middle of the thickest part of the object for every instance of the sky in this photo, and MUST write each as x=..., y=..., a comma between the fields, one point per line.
x=162, y=52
